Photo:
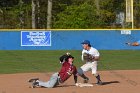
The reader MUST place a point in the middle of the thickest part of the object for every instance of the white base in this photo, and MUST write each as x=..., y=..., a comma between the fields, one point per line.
x=84, y=85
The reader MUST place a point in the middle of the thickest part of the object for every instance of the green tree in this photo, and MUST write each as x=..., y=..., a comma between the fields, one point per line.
x=65, y=13
x=14, y=14
x=89, y=14
x=82, y=16
x=137, y=13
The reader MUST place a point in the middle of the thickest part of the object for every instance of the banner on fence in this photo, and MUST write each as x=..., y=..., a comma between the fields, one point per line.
x=35, y=38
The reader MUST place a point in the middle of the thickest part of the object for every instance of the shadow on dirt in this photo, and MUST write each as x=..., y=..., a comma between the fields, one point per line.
x=110, y=82
x=104, y=83
x=64, y=86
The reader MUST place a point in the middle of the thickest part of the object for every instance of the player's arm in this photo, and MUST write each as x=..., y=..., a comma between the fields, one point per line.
x=75, y=79
x=96, y=57
x=82, y=57
x=75, y=74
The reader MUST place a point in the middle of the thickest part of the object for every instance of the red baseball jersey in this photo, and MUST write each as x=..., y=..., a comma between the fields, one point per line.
x=66, y=71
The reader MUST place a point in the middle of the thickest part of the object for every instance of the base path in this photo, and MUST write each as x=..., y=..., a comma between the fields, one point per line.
x=115, y=81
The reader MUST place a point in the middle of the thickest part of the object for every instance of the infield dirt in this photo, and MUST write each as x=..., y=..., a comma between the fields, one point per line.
x=115, y=81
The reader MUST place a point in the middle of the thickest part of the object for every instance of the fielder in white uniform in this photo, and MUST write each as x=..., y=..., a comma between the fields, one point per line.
x=90, y=66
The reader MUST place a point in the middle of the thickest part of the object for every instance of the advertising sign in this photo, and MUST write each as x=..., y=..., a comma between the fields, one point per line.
x=35, y=38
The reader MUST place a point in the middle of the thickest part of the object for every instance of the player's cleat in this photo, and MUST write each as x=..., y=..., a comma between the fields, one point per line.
x=33, y=80
x=35, y=84
x=99, y=83
x=86, y=80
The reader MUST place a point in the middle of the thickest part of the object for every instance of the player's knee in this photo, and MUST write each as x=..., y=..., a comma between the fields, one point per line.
x=80, y=71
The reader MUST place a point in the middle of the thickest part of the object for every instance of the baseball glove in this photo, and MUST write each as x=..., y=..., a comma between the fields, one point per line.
x=64, y=57
x=88, y=57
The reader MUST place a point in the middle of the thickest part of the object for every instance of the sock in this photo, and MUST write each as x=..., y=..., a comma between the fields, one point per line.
x=98, y=78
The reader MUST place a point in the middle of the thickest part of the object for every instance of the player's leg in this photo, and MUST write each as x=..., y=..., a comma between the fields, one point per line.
x=51, y=83
x=81, y=73
x=94, y=72
x=83, y=69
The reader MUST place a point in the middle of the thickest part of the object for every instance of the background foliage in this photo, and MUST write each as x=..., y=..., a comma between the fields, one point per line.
x=66, y=14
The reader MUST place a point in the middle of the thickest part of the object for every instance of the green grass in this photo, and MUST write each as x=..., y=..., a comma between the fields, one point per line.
x=21, y=61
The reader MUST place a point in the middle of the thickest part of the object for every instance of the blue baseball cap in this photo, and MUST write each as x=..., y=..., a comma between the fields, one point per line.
x=86, y=42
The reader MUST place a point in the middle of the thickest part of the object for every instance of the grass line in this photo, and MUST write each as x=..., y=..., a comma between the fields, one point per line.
x=21, y=61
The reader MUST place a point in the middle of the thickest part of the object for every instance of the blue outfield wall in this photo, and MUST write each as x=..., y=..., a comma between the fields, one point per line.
x=71, y=40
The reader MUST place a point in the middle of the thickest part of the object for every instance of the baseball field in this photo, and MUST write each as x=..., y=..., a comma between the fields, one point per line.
x=119, y=70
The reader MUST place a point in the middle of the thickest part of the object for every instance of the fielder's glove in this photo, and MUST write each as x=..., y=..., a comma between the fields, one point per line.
x=88, y=57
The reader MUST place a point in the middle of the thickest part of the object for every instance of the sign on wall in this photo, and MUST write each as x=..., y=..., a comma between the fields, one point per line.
x=35, y=38
x=126, y=32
